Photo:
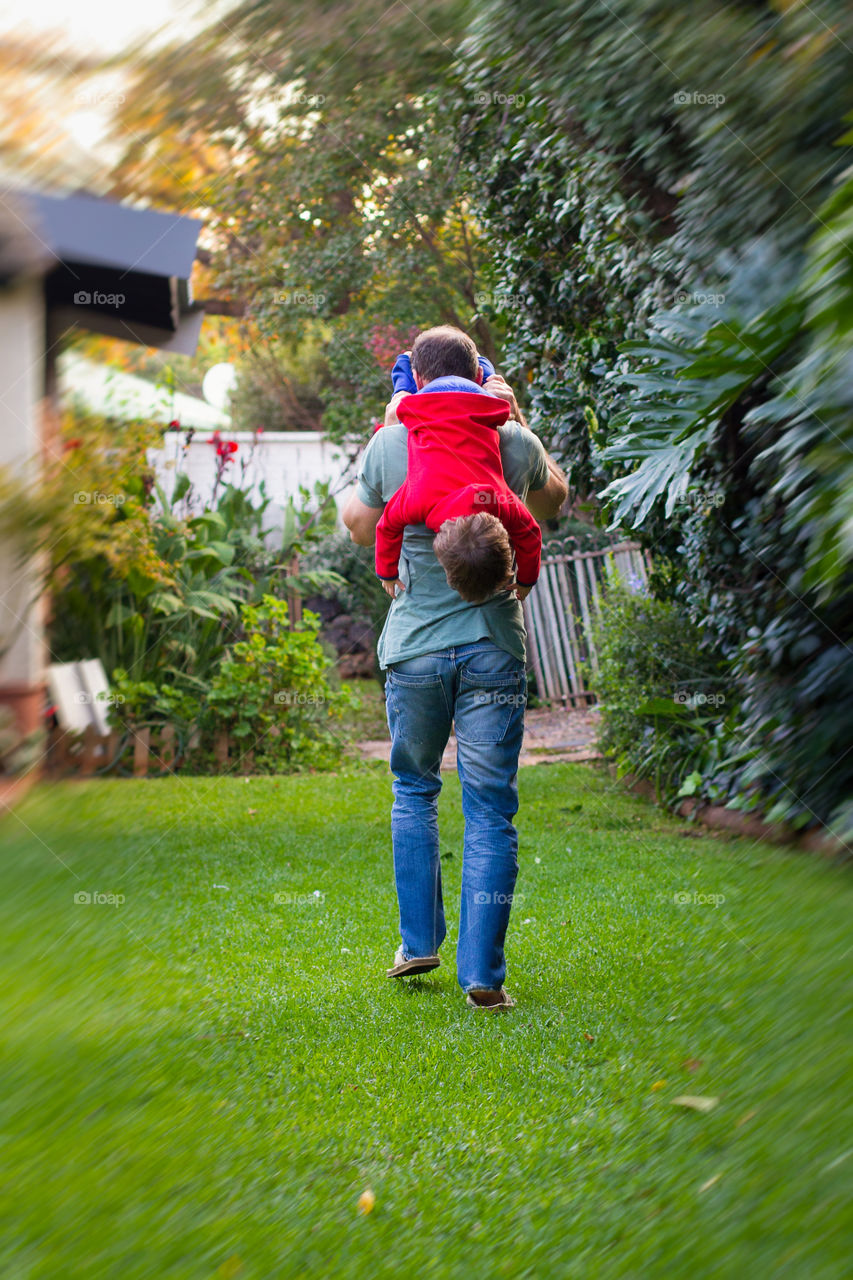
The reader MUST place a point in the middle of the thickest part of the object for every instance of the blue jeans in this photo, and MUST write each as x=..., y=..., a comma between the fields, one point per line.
x=483, y=688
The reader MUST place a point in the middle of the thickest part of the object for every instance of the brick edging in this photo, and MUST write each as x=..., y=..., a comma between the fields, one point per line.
x=718, y=818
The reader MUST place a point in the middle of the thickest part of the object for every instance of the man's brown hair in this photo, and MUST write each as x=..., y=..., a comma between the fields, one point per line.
x=476, y=555
x=444, y=352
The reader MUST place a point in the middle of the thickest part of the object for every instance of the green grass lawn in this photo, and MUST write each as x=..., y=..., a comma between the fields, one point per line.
x=201, y=1080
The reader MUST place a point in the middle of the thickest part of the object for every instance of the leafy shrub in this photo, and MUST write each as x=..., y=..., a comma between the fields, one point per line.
x=359, y=591
x=273, y=696
x=661, y=699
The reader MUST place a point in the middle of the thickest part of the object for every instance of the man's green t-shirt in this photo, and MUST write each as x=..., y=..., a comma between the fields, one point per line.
x=429, y=614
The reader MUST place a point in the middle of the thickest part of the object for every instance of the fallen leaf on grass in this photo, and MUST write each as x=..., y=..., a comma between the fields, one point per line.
x=749, y=1115
x=695, y=1102
x=252, y=812
x=658, y=1084
x=692, y=1064
x=366, y=1201
x=587, y=1036
x=709, y=1183
x=231, y=1266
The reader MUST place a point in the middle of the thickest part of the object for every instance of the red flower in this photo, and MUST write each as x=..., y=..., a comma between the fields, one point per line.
x=174, y=425
x=73, y=444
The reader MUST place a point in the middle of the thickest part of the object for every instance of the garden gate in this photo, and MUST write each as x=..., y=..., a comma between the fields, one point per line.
x=559, y=613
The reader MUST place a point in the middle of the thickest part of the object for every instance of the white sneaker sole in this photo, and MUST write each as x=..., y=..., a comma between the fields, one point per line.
x=418, y=964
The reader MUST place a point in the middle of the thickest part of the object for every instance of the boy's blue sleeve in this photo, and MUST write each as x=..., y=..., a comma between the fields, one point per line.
x=402, y=378
x=487, y=367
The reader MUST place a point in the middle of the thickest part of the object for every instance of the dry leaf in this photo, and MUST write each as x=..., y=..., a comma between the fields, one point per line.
x=658, y=1084
x=230, y=1268
x=587, y=1036
x=709, y=1183
x=252, y=812
x=366, y=1201
x=695, y=1102
x=692, y=1064
x=749, y=1115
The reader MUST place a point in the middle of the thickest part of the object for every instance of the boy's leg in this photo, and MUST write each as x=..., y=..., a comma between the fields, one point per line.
x=418, y=696
x=490, y=699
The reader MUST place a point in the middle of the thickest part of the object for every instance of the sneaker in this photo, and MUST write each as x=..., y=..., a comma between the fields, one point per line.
x=488, y=998
x=403, y=968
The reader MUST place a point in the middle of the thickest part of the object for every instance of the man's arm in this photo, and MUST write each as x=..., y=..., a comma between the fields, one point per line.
x=545, y=503
x=542, y=503
x=361, y=520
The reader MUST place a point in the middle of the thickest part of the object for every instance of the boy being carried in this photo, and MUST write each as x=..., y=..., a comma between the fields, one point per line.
x=455, y=483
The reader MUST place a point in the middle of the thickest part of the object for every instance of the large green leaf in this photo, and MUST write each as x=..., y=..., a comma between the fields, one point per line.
x=695, y=365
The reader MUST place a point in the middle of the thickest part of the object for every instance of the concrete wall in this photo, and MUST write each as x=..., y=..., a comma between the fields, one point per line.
x=284, y=460
x=22, y=375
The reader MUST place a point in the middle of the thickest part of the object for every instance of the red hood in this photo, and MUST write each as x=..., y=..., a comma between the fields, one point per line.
x=449, y=408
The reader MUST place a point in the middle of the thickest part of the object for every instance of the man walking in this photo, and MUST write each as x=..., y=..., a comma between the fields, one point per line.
x=449, y=661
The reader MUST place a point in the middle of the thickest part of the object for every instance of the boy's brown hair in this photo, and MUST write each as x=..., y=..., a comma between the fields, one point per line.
x=476, y=554
x=444, y=352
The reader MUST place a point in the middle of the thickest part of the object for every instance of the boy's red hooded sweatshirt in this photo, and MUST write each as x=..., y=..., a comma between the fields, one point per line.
x=455, y=470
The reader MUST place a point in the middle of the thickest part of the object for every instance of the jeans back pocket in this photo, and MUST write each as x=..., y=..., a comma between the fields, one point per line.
x=488, y=704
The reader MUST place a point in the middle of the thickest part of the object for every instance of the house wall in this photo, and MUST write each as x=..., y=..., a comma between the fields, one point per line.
x=22, y=383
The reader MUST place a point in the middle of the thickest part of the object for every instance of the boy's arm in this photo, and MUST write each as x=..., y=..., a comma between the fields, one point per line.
x=389, y=540
x=526, y=538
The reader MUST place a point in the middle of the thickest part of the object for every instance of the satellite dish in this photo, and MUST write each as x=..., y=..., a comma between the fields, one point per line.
x=217, y=385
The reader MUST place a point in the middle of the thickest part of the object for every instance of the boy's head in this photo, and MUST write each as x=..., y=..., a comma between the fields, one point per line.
x=444, y=352
x=476, y=555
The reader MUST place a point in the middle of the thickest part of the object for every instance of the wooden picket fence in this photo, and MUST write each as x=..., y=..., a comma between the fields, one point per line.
x=149, y=750
x=559, y=613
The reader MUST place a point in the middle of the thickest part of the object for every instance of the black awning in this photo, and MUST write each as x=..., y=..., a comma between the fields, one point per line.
x=108, y=268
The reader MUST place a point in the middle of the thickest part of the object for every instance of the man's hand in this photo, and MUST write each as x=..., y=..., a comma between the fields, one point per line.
x=521, y=593
x=497, y=385
x=391, y=586
x=391, y=419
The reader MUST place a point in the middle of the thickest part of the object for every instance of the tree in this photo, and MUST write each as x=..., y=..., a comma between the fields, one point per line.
x=318, y=143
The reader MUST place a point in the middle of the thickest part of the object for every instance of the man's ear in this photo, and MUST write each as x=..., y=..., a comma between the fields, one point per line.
x=419, y=382
x=480, y=375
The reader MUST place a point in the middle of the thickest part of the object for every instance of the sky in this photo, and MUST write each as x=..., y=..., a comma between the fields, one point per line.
x=97, y=26
x=98, y=29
